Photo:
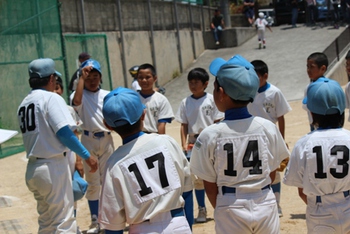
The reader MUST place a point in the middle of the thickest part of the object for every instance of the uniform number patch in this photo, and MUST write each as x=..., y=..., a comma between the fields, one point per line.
x=250, y=159
x=151, y=174
x=341, y=162
x=27, y=118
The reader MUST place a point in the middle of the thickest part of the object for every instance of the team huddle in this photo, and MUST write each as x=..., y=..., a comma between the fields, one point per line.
x=232, y=149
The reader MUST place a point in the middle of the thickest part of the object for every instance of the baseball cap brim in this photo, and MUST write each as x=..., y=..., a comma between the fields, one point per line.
x=217, y=63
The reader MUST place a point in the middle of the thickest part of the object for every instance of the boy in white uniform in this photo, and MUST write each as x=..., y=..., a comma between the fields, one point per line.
x=319, y=163
x=237, y=158
x=46, y=127
x=195, y=113
x=87, y=101
x=261, y=24
x=159, y=111
x=147, y=179
x=270, y=103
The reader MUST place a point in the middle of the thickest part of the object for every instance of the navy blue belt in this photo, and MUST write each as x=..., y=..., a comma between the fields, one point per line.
x=96, y=134
x=174, y=213
x=319, y=199
x=233, y=190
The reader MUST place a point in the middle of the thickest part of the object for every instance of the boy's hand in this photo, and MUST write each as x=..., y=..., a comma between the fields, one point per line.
x=92, y=162
x=85, y=72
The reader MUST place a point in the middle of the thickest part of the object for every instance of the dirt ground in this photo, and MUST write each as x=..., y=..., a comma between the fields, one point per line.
x=18, y=207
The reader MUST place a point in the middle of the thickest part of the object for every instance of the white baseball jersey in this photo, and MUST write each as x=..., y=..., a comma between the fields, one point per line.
x=319, y=162
x=40, y=115
x=239, y=153
x=198, y=114
x=144, y=178
x=270, y=104
x=347, y=99
x=157, y=107
x=90, y=110
x=135, y=85
x=261, y=25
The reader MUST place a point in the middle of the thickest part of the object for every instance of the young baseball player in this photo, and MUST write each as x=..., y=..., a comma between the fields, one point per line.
x=318, y=164
x=261, y=23
x=316, y=64
x=195, y=113
x=270, y=103
x=46, y=127
x=87, y=101
x=237, y=158
x=347, y=88
x=159, y=111
x=147, y=179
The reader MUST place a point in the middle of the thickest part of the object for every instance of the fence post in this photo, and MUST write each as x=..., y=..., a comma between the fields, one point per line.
x=192, y=31
x=178, y=36
x=121, y=29
x=153, y=53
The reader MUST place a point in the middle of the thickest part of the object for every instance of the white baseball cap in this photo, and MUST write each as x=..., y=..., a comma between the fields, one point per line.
x=261, y=14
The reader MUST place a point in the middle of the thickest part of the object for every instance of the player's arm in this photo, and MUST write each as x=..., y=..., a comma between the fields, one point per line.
x=78, y=96
x=268, y=26
x=281, y=125
x=211, y=189
x=183, y=134
x=162, y=124
x=302, y=195
x=67, y=137
x=273, y=176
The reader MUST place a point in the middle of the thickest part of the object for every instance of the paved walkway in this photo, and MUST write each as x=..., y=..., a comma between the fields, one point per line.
x=286, y=53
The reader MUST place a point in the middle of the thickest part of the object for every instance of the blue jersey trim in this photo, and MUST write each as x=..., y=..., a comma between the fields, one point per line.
x=264, y=88
x=132, y=137
x=237, y=113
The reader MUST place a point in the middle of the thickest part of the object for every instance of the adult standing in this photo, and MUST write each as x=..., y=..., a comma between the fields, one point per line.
x=46, y=127
x=295, y=9
x=248, y=10
x=311, y=12
x=217, y=25
x=75, y=77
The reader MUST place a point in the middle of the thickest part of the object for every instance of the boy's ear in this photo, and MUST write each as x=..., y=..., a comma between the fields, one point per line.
x=206, y=84
x=155, y=78
x=324, y=68
x=265, y=76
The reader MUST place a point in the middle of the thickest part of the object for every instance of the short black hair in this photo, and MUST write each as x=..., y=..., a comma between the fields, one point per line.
x=128, y=128
x=328, y=121
x=147, y=66
x=347, y=55
x=198, y=73
x=319, y=58
x=59, y=82
x=260, y=67
x=37, y=82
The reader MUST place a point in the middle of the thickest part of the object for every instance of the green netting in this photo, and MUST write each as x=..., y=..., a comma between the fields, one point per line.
x=29, y=29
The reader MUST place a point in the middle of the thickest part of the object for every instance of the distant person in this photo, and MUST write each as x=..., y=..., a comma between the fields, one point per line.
x=270, y=103
x=134, y=84
x=159, y=111
x=295, y=10
x=148, y=180
x=319, y=163
x=261, y=24
x=248, y=10
x=336, y=16
x=311, y=12
x=217, y=25
x=75, y=77
x=195, y=113
x=316, y=64
x=47, y=130
x=345, y=8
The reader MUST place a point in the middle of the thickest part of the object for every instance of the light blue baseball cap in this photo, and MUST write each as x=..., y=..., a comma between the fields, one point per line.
x=237, y=77
x=318, y=80
x=93, y=63
x=122, y=106
x=42, y=67
x=325, y=97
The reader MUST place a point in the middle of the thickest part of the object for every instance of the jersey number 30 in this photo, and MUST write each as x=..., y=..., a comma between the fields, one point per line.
x=27, y=116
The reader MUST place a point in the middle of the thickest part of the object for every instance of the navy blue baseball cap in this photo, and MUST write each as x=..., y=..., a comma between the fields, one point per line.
x=325, y=97
x=42, y=67
x=122, y=106
x=93, y=63
x=237, y=77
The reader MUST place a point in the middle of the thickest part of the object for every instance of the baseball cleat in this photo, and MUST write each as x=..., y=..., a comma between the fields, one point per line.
x=202, y=215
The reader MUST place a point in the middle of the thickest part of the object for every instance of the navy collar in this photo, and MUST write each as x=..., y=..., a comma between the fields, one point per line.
x=132, y=137
x=264, y=88
x=146, y=96
x=199, y=97
x=237, y=113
